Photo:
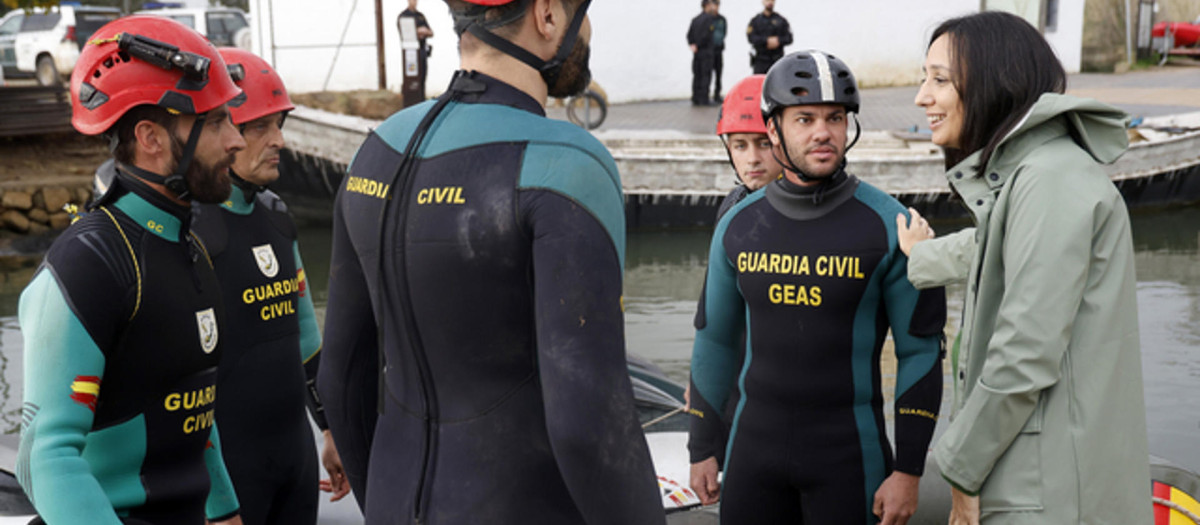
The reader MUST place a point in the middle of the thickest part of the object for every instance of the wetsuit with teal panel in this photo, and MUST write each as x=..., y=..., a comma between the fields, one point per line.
x=272, y=347
x=815, y=278
x=123, y=328
x=505, y=397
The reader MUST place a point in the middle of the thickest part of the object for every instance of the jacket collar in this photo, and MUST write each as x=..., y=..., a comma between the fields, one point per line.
x=1099, y=129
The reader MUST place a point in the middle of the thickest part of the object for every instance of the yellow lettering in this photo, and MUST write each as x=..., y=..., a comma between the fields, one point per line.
x=198, y=422
x=774, y=293
x=822, y=266
x=171, y=403
x=458, y=198
x=774, y=264
x=814, y=296
x=803, y=268
x=423, y=196
x=248, y=296
x=278, y=288
x=741, y=262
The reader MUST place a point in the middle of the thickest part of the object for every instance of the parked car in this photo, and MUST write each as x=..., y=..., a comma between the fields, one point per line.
x=48, y=40
x=10, y=23
x=223, y=26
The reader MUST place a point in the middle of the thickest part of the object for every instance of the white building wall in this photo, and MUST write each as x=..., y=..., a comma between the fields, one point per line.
x=639, y=47
x=1067, y=38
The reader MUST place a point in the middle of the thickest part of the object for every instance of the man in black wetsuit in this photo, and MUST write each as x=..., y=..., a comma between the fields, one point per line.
x=477, y=256
x=744, y=133
x=272, y=341
x=123, y=323
x=768, y=33
x=810, y=271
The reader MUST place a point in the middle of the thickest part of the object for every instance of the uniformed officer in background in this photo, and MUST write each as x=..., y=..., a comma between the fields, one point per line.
x=768, y=33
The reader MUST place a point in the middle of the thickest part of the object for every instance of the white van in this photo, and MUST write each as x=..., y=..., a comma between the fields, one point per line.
x=47, y=42
x=223, y=26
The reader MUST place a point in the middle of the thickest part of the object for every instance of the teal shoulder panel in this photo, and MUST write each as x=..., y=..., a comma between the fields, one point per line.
x=560, y=157
x=883, y=204
x=151, y=218
x=578, y=176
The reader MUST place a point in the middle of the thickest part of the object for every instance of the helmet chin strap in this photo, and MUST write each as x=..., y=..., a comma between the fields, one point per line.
x=177, y=182
x=791, y=165
x=249, y=189
x=548, y=69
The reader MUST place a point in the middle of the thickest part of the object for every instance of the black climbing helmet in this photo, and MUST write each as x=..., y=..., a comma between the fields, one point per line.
x=809, y=77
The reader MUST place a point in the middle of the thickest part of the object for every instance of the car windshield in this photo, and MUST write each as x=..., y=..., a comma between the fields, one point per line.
x=187, y=20
x=11, y=25
x=87, y=22
x=40, y=21
x=222, y=26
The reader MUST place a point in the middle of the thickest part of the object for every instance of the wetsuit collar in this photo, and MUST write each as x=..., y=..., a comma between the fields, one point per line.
x=498, y=92
x=151, y=209
x=239, y=201
x=810, y=202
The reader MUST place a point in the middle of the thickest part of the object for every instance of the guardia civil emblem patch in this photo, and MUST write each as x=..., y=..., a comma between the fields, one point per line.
x=206, y=321
x=265, y=257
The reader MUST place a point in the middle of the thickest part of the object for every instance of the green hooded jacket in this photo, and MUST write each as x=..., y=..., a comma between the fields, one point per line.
x=1049, y=421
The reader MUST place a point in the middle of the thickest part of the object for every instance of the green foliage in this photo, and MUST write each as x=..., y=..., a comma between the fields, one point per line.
x=27, y=4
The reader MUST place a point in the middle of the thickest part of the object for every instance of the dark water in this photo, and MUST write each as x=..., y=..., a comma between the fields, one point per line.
x=665, y=270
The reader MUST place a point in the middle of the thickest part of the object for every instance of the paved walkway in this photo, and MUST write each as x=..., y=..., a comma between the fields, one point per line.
x=1168, y=90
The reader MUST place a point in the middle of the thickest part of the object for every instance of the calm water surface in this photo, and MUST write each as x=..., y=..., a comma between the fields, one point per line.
x=665, y=270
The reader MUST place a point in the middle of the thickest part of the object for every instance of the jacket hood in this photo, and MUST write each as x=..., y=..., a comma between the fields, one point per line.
x=1099, y=127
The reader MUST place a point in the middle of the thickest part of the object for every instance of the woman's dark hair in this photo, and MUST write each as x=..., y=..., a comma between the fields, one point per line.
x=1002, y=65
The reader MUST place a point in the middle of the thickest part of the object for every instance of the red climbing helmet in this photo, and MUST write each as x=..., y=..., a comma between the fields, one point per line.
x=136, y=60
x=741, y=112
x=263, y=92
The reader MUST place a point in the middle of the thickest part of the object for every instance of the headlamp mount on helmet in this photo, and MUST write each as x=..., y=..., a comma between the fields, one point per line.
x=166, y=56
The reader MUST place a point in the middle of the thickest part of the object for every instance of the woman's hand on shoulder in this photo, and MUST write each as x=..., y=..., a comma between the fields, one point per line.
x=910, y=232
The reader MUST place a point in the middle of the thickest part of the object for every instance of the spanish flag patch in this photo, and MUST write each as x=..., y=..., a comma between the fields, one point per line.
x=85, y=390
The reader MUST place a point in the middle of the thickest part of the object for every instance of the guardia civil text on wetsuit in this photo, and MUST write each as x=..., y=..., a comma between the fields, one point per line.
x=123, y=333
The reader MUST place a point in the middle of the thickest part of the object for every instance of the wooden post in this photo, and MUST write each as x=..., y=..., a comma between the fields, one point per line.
x=379, y=44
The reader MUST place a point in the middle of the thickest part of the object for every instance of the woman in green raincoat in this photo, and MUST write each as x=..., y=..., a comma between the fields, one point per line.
x=1049, y=420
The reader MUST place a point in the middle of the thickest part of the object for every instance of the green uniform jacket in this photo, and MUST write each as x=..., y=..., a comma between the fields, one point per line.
x=1049, y=423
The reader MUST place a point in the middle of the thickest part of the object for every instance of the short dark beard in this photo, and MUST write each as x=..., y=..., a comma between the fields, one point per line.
x=206, y=184
x=575, y=76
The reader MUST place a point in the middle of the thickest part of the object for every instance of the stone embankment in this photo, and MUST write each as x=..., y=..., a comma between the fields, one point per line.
x=39, y=209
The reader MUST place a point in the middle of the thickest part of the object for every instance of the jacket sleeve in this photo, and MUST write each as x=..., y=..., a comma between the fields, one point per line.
x=714, y=350
x=222, y=501
x=64, y=371
x=757, y=39
x=590, y=417
x=1045, y=234
x=348, y=378
x=694, y=34
x=785, y=37
x=942, y=261
x=310, y=341
x=917, y=319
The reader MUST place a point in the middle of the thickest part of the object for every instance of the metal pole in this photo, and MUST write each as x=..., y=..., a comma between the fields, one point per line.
x=271, y=21
x=379, y=44
x=1128, y=32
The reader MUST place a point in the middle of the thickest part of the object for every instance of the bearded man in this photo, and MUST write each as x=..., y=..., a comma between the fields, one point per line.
x=474, y=365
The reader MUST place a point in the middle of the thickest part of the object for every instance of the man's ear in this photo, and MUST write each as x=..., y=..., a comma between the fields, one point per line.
x=151, y=137
x=772, y=133
x=546, y=18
